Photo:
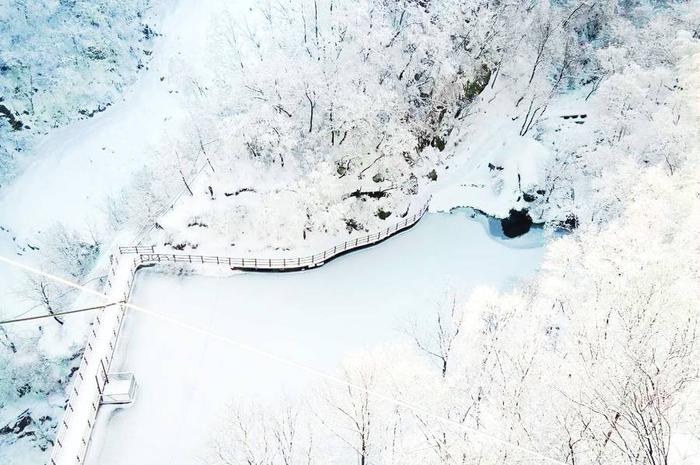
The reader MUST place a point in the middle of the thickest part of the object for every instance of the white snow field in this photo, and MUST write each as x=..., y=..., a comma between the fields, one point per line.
x=186, y=379
x=75, y=167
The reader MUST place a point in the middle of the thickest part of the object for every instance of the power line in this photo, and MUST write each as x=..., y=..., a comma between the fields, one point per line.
x=289, y=362
x=55, y=314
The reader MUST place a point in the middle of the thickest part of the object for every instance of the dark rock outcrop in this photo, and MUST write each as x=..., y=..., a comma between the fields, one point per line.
x=529, y=197
x=353, y=225
x=20, y=425
x=10, y=117
x=378, y=194
x=383, y=214
x=570, y=223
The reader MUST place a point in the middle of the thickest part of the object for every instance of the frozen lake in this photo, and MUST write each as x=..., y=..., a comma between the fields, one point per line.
x=313, y=317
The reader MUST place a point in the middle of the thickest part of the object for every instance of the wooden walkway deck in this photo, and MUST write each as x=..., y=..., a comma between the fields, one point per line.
x=149, y=255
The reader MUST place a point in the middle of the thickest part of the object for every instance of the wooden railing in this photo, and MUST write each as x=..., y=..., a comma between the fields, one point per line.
x=148, y=255
x=129, y=249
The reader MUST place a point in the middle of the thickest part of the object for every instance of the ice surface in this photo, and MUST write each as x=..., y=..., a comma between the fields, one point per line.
x=313, y=317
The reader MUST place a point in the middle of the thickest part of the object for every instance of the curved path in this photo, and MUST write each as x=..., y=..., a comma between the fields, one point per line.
x=147, y=254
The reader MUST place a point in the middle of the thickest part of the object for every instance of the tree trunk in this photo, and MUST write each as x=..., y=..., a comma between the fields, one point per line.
x=311, y=112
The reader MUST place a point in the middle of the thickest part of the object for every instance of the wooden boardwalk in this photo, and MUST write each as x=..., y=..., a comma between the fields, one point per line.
x=147, y=255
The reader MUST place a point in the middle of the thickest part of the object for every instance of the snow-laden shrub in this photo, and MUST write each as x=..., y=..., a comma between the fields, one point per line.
x=26, y=371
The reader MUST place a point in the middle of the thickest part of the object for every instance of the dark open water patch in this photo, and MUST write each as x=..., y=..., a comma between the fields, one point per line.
x=531, y=237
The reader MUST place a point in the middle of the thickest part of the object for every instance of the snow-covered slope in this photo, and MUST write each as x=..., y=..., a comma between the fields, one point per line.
x=62, y=61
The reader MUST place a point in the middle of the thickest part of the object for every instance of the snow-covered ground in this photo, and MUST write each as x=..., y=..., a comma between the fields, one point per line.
x=186, y=380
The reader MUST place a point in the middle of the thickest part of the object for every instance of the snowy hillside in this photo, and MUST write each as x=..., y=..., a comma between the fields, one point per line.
x=348, y=119
x=62, y=61
x=273, y=129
